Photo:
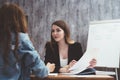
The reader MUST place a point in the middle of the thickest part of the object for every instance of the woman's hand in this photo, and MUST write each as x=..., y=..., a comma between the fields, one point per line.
x=72, y=63
x=51, y=66
x=93, y=62
x=64, y=69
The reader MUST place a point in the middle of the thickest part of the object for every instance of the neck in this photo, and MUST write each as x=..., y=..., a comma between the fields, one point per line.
x=63, y=49
x=62, y=44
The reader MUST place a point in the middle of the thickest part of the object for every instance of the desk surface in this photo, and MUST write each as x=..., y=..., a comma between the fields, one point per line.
x=74, y=77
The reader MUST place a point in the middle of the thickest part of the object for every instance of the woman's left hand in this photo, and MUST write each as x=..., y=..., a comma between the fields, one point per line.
x=72, y=63
x=93, y=62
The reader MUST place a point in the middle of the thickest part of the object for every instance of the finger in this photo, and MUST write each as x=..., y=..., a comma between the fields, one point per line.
x=73, y=60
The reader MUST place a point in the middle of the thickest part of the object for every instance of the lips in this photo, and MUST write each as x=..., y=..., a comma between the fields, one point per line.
x=55, y=37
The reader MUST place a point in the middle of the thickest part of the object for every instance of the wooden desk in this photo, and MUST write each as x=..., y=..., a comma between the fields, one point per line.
x=74, y=77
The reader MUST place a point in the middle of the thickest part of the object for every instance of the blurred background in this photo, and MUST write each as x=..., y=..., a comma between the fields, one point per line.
x=76, y=13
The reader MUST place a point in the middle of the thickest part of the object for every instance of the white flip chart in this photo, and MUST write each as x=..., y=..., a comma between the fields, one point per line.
x=104, y=36
x=103, y=45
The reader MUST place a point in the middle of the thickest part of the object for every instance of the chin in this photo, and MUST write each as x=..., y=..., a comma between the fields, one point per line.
x=57, y=40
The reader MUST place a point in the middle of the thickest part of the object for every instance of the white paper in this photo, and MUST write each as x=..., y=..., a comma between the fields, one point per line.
x=83, y=63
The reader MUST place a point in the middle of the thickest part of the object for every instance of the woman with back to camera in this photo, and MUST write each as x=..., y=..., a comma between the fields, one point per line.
x=18, y=58
x=62, y=50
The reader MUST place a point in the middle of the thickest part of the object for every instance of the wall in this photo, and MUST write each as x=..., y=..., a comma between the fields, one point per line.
x=41, y=14
x=77, y=13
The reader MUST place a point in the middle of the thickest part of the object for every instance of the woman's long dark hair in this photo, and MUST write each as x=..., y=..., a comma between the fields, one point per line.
x=12, y=20
x=65, y=28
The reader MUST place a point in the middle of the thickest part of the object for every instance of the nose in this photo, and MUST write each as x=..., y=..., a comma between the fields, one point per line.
x=54, y=32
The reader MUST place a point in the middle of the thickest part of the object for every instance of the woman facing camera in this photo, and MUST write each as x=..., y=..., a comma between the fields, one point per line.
x=62, y=50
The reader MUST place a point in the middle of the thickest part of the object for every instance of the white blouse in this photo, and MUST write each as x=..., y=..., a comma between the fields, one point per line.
x=63, y=62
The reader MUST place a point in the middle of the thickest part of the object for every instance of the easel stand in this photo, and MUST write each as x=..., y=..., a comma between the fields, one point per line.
x=116, y=73
x=112, y=73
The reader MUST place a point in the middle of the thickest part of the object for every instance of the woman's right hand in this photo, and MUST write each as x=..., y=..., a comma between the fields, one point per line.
x=51, y=66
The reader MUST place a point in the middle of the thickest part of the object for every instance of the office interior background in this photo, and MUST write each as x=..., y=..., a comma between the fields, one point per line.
x=77, y=13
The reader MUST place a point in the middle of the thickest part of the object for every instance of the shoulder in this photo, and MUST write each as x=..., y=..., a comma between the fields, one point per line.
x=47, y=44
x=24, y=42
x=23, y=39
x=23, y=36
x=50, y=45
x=76, y=44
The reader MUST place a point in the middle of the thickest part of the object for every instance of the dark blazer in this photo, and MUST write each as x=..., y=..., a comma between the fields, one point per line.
x=52, y=54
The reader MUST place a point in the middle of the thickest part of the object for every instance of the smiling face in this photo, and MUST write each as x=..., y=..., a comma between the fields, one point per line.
x=57, y=33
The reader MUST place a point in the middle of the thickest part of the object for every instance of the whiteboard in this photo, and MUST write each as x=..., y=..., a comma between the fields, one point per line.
x=104, y=38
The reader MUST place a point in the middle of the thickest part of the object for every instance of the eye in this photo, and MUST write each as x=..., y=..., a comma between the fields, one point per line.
x=58, y=30
x=52, y=30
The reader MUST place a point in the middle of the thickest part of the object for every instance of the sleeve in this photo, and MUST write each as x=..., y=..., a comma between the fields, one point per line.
x=32, y=62
x=51, y=57
x=48, y=53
